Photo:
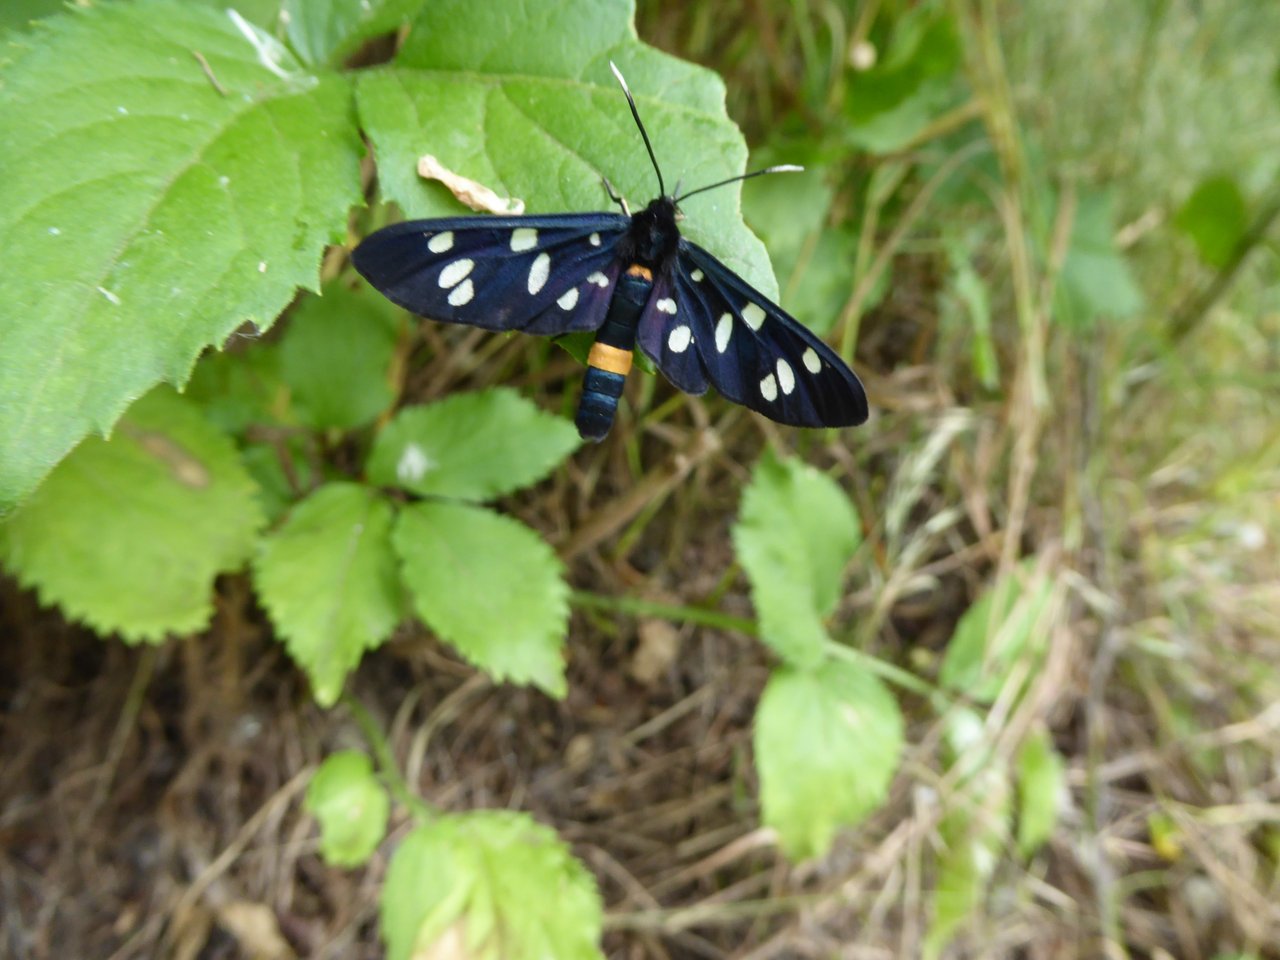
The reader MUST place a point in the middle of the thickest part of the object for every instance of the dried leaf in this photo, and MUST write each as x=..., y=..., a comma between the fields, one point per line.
x=475, y=195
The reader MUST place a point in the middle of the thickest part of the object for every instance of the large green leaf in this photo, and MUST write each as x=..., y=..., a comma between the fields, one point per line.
x=474, y=446
x=828, y=741
x=520, y=98
x=145, y=213
x=796, y=533
x=488, y=586
x=128, y=534
x=493, y=885
x=328, y=578
x=336, y=357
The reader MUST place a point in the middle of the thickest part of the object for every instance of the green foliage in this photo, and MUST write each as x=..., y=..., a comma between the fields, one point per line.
x=995, y=633
x=352, y=807
x=1215, y=218
x=324, y=32
x=973, y=831
x=490, y=587
x=329, y=580
x=526, y=105
x=473, y=446
x=795, y=534
x=127, y=534
x=490, y=886
x=913, y=81
x=1096, y=279
x=1042, y=783
x=827, y=743
x=336, y=357
x=145, y=213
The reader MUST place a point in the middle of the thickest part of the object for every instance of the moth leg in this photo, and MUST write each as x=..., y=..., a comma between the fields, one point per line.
x=614, y=196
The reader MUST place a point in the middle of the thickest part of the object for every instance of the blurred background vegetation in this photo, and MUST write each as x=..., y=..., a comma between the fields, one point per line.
x=1046, y=232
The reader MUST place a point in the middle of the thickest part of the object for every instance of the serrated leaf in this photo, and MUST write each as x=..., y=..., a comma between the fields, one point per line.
x=492, y=884
x=472, y=446
x=352, y=807
x=336, y=357
x=1215, y=218
x=520, y=99
x=489, y=587
x=795, y=533
x=127, y=535
x=827, y=743
x=973, y=832
x=326, y=31
x=1001, y=627
x=144, y=214
x=1096, y=279
x=328, y=579
x=1042, y=783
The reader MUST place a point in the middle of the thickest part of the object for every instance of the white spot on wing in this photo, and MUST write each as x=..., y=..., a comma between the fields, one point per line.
x=786, y=377
x=595, y=239
x=454, y=273
x=667, y=305
x=769, y=388
x=523, y=238
x=697, y=276
x=599, y=279
x=569, y=300
x=462, y=293
x=724, y=330
x=539, y=271
x=441, y=242
x=680, y=339
x=413, y=464
x=812, y=362
x=753, y=315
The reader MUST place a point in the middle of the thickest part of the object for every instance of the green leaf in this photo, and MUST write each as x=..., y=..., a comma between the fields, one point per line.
x=327, y=31
x=127, y=535
x=352, y=807
x=1042, y=783
x=336, y=357
x=827, y=742
x=520, y=98
x=1096, y=279
x=493, y=885
x=970, y=294
x=1000, y=628
x=472, y=446
x=796, y=532
x=239, y=390
x=1215, y=218
x=19, y=14
x=488, y=586
x=973, y=832
x=144, y=214
x=328, y=579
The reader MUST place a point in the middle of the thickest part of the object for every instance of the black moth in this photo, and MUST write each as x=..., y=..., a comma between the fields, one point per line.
x=634, y=280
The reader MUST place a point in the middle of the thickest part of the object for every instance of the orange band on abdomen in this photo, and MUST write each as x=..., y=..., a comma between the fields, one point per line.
x=610, y=359
x=639, y=270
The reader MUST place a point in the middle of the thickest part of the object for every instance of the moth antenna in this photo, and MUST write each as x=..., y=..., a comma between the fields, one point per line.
x=631, y=101
x=781, y=168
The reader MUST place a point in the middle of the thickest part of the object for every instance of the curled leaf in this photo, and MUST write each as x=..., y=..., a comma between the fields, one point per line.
x=475, y=195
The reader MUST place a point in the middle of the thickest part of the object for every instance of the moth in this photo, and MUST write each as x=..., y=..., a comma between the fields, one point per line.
x=633, y=280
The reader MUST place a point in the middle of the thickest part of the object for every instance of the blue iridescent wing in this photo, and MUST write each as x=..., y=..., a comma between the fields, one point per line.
x=704, y=324
x=548, y=274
